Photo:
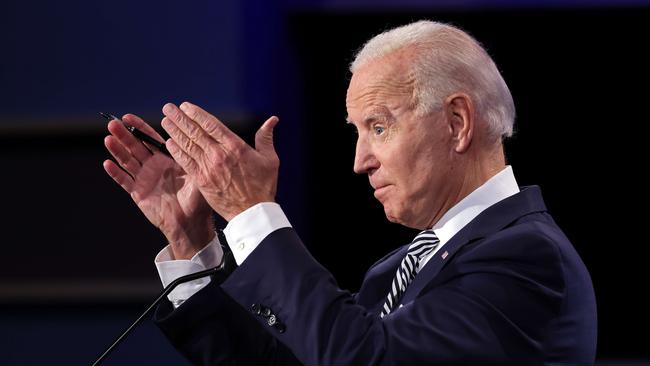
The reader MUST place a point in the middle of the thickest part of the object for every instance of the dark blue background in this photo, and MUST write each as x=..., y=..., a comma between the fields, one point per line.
x=77, y=256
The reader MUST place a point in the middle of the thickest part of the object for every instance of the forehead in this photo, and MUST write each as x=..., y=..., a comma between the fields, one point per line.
x=387, y=82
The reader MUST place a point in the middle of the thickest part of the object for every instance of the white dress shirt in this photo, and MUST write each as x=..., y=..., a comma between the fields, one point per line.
x=243, y=233
x=500, y=186
x=247, y=230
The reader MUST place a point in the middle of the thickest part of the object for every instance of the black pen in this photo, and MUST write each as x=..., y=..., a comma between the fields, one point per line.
x=139, y=134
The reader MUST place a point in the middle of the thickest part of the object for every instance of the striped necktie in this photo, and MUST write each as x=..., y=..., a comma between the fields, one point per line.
x=423, y=244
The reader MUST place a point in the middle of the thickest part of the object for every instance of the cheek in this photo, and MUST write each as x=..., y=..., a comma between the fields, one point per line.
x=409, y=169
x=418, y=179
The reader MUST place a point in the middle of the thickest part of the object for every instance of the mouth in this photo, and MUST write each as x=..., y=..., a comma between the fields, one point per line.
x=380, y=191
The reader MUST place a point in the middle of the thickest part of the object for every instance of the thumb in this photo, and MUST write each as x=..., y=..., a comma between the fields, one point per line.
x=264, y=136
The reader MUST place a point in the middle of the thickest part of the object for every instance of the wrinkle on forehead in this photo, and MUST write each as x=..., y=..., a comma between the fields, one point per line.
x=390, y=82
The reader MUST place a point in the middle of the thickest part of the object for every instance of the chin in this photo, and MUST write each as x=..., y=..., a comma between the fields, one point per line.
x=392, y=219
x=401, y=218
x=392, y=216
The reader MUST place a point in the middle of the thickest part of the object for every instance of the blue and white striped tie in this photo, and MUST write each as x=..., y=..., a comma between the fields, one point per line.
x=423, y=244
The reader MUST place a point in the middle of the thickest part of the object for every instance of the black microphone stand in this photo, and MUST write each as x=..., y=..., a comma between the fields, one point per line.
x=163, y=294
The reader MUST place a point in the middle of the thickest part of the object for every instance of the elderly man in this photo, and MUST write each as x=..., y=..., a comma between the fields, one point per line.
x=490, y=279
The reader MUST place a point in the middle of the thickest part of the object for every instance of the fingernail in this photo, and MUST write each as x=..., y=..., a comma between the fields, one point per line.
x=168, y=108
x=184, y=106
x=169, y=144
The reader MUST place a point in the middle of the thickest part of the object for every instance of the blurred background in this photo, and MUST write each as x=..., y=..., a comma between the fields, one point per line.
x=77, y=256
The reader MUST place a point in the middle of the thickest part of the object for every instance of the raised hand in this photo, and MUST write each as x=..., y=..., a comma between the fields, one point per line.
x=163, y=191
x=231, y=175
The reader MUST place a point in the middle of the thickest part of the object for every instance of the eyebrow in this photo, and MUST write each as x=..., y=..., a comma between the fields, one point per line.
x=370, y=118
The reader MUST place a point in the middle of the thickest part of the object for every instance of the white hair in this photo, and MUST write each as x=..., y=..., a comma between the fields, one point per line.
x=447, y=60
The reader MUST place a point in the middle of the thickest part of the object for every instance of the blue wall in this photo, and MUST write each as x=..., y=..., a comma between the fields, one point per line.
x=77, y=335
x=66, y=59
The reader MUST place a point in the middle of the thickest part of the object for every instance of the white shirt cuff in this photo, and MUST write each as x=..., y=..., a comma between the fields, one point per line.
x=247, y=230
x=170, y=269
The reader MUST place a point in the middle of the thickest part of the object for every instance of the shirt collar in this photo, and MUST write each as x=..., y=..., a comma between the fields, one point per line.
x=497, y=188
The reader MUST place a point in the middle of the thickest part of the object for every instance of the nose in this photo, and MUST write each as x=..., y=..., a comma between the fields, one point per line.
x=365, y=160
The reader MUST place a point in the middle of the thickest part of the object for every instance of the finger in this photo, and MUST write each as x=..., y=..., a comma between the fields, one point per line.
x=189, y=127
x=119, y=175
x=181, y=139
x=211, y=125
x=264, y=136
x=186, y=162
x=130, y=142
x=122, y=155
x=143, y=126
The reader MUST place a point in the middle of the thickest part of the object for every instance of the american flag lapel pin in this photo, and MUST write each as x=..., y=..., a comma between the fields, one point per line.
x=445, y=254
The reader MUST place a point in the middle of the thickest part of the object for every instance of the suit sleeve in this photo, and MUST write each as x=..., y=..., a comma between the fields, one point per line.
x=212, y=329
x=489, y=306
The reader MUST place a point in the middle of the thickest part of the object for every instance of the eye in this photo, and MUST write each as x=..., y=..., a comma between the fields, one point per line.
x=378, y=130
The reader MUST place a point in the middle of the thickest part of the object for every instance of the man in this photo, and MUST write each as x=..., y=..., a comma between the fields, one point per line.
x=490, y=279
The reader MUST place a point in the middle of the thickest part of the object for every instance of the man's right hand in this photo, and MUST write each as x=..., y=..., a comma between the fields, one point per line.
x=161, y=189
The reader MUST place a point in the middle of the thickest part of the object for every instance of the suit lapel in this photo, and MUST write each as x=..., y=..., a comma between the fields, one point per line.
x=493, y=219
x=433, y=267
x=376, y=283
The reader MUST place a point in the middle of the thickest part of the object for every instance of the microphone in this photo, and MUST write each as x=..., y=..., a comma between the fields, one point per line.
x=163, y=294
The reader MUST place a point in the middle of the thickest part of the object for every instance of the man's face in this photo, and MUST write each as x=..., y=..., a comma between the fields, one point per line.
x=408, y=158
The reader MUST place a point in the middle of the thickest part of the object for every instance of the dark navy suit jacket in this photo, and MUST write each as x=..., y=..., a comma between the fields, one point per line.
x=508, y=289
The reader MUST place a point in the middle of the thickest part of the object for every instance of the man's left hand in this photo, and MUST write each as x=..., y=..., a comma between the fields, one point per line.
x=231, y=175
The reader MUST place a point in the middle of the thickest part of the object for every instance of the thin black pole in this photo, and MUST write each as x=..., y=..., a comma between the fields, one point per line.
x=163, y=294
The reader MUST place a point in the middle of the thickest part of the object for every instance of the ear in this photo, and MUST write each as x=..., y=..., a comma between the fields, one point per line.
x=459, y=110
